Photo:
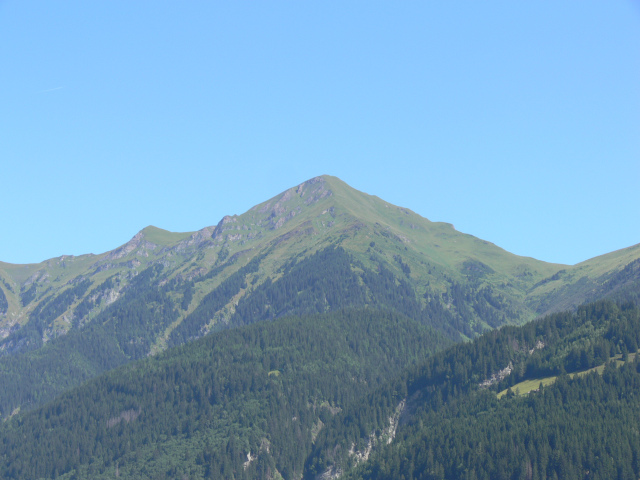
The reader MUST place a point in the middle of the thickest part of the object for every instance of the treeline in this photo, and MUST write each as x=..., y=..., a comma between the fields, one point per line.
x=476, y=308
x=122, y=332
x=332, y=279
x=137, y=318
x=576, y=341
x=326, y=281
x=4, y=305
x=198, y=410
x=83, y=309
x=319, y=283
x=30, y=336
x=192, y=326
x=301, y=396
x=28, y=295
x=623, y=286
x=33, y=378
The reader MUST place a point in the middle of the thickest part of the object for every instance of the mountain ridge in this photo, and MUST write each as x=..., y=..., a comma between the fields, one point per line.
x=267, y=262
x=281, y=211
x=261, y=224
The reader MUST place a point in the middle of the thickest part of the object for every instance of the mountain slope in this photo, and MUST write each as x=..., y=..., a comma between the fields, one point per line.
x=317, y=247
x=260, y=392
x=314, y=215
x=613, y=275
x=450, y=422
x=353, y=394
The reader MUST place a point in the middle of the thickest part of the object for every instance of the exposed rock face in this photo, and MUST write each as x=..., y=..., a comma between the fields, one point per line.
x=273, y=214
x=138, y=242
x=316, y=189
x=9, y=328
x=125, y=249
x=198, y=238
x=226, y=220
x=111, y=296
x=227, y=223
x=318, y=195
x=538, y=346
x=497, y=377
x=386, y=436
x=39, y=276
x=394, y=421
x=285, y=210
x=126, y=416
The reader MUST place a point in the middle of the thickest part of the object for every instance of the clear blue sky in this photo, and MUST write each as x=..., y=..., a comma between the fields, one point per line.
x=518, y=122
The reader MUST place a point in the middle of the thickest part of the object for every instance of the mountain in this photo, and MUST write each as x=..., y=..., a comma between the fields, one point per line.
x=614, y=275
x=259, y=392
x=318, y=247
x=556, y=398
x=353, y=394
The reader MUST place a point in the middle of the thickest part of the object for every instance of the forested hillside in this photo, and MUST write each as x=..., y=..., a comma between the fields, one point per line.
x=578, y=428
x=356, y=394
x=328, y=280
x=264, y=390
x=124, y=331
x=453, y=423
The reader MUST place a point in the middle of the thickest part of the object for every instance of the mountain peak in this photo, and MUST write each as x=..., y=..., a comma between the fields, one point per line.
x=162, y=237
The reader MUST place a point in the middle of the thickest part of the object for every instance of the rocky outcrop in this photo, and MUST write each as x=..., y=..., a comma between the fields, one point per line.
x=138, y=242
x=197, y=239
x=497, y=377
x=125, y=416
x=357, y=456
x=227, y=223
x=38, y=277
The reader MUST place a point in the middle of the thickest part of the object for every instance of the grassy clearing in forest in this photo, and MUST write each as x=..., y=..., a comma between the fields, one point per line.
x=528, y=386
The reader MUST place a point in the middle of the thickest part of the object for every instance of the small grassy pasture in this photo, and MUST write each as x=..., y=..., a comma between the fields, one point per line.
x=527, y=386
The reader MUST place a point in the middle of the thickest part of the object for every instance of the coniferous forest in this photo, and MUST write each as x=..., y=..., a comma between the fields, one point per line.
x=311, y=395
x=200, y=409
x=579, y=426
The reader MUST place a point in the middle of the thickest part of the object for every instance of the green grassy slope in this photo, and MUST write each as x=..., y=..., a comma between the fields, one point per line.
x=614, y=274
x=309, y=217
x=463, y=284
x=532, y=385
x=162, y=237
